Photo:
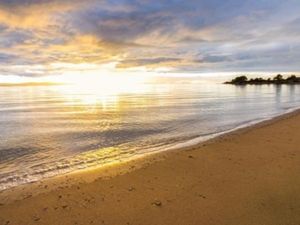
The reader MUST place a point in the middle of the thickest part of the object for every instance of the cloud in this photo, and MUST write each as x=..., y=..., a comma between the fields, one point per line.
x=33, y=14
x=150, y=62
x=193, y=36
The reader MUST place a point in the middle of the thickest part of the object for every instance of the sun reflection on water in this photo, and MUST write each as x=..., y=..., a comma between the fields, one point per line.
x=103, y=91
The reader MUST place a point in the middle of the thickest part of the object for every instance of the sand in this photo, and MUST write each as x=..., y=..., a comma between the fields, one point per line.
x=248, y=177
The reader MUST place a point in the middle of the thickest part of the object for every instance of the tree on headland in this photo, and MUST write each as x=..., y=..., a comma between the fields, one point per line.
x=292, y=79
x=278, y=79
x=240, y=80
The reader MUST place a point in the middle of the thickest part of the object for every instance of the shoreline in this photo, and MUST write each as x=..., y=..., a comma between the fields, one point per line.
x=110, y=170
x=247, y=176
x=195, y=142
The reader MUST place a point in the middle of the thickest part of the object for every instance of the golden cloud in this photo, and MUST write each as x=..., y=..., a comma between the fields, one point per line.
x=37, y=15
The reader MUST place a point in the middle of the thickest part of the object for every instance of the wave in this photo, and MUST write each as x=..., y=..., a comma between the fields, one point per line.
x=100, y=157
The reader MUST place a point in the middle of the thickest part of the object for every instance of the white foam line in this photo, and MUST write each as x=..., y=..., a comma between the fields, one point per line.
x=201, y=139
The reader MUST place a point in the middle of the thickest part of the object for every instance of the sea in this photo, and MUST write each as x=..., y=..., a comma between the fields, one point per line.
x=49, y=130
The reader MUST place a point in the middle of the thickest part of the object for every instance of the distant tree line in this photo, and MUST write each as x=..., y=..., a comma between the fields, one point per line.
x=278, y=79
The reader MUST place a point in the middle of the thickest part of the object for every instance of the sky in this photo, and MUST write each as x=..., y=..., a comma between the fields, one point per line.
x=54, y=37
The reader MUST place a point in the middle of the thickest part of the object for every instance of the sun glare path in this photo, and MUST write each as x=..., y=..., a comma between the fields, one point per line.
x=98, y=89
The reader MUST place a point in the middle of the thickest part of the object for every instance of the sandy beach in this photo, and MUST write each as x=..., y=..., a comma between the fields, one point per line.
x=249, y=177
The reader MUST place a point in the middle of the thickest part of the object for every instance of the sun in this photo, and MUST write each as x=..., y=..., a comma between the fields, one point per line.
x=105, y=88
x=107, y=83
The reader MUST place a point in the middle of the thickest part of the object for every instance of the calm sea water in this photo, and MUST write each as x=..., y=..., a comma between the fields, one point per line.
x=50, y=130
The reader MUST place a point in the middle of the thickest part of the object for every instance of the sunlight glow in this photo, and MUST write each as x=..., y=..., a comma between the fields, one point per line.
x=101, y=87
x=105, y=83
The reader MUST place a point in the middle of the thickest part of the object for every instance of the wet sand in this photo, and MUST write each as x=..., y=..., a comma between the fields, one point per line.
x=247, y=177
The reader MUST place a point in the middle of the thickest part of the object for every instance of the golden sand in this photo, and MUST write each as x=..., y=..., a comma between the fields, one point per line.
x=247, y=177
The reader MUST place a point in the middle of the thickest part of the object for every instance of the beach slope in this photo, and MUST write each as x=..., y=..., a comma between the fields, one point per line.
x=250, y=177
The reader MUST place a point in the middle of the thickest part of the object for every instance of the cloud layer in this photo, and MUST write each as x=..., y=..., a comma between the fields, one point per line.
x=189, y=36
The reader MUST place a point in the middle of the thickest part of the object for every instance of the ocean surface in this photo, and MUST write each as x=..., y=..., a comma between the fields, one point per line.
x=50, y=130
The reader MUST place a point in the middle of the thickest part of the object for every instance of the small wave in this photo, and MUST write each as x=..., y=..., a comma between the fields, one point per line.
x=203, y=138
x=101, y=157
